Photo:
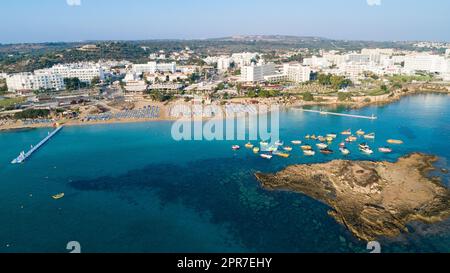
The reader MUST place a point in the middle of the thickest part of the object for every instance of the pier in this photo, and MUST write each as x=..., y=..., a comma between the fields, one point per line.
x=24, y=156
x=339, y=114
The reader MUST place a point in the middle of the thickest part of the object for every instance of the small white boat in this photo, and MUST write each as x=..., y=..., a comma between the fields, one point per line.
x=309, y=152
x=333, y=135
x=370, y=136
x=347, y=132
x=322, y=146
x=366, y=151
x=264, y=143
x=249, y=146
x=279, y=143
x=385, y=150
x=342, y=144
x=287, y=148
x=394, y=141
x=364, y=146
x=235, y=147
x=344, y=151
x=360, y=132
x=266, y=156
x=296, y=142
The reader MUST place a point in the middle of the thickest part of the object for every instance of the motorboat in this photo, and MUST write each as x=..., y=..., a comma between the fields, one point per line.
x=322, y=145
x=287, y=148
x=370, y=136
x=321, y=139
x=332, y=135
x=342, y=144
x=307, y=137
x=360, y=132
x=249, y=145
x=309, y=152
x=394, y=141
x=264, y=143
x=235, y=147
x=58, y=196
x=364, y=146
x=296, y=142
x=280, y=154
x=326, y=151
x=256, y=150
x=279, y=143
x=385, y=150
x=366, y=151
x=347, y=132
x=344, y=151
x=306, y=147
x=266, y=156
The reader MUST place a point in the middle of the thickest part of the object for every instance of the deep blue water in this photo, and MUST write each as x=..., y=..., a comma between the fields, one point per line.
x=131, y=188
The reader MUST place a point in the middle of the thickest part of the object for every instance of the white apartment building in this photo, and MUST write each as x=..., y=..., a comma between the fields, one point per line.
x=358, y=58
x=317, y=62
x=256, y=73
x=86, y=72
x=153, y=67
x=334, y=59
x=40, y=80
x=297, y=72
x=223, y=63
x=425, y=62
x=244, y=59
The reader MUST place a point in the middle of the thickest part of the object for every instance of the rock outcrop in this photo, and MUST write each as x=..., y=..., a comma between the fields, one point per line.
x=371, y=199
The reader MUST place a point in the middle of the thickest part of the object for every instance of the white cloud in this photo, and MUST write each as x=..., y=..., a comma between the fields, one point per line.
x=73, y=2
x=374, y=2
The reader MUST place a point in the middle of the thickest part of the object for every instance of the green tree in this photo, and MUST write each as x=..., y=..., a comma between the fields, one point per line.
x=32, y=114
x=344, y=96
x=95, y=80
x=74, y=84
x=307, y=96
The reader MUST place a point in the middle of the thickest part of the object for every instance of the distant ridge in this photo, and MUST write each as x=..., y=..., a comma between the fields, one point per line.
x=270, y=38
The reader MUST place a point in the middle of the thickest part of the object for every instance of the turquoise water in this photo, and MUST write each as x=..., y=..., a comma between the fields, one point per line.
x=131, y=188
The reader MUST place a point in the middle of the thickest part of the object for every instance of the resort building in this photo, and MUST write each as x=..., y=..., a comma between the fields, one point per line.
x=316, y=62
x=297, y=72
x=86, y=72
x=223, y=63
x=425, y=62
x=153, y=67
x=256, y=73
x=244, y=59
x=39, y=81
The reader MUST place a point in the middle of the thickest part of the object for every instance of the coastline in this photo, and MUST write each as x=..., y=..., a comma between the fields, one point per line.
x=355, y=103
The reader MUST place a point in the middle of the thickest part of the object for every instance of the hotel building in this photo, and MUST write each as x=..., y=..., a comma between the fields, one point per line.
x=256, y=73
x=153, y=67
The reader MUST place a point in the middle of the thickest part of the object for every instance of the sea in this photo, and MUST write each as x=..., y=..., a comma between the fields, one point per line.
x=132, y=188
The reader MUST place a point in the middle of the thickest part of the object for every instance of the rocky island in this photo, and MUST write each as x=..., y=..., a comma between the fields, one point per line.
x=371, y=199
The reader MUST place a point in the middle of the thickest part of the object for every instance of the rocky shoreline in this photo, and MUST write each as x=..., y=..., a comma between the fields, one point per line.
x=371, y=199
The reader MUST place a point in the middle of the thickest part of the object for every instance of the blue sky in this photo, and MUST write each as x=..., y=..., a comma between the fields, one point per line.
x=56, y=20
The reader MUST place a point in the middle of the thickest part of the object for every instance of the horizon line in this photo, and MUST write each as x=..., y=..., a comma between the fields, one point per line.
x=231, y=37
